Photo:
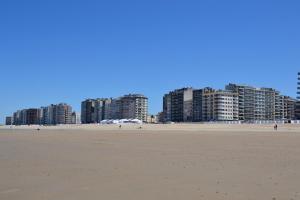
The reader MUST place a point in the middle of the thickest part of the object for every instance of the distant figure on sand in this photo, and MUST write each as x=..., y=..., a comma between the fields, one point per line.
x=275, y=127
x=120, y=126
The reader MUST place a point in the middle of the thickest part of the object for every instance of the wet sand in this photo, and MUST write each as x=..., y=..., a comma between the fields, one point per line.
x=186, y=161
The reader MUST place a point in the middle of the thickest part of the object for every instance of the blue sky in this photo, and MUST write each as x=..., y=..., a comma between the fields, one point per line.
x=68, y=50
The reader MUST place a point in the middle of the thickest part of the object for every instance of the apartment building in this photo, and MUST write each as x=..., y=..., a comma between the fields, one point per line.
x=32, y=116
x=131, y=106
x=198, y=96
x=102, y=108
x=207, y=104
x=63, y=113
x=20, y=117
x=178, y=105
x=257, y=103
x=88, y=111
x=236, y=102
x=298, y=86
x=47, y=115
x=75, y=118
x=166, y=114
x=134, y=106
x=9, y=120
x=95, y=110
x=219, y=105
x=297, y=108
x=289, y=108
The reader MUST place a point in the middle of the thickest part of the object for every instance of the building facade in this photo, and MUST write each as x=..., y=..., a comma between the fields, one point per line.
x=219, y=105
x=32, y=116
x=75, y=118
x=289, y=108
x=178, y=105
x=134, y=106
x=236, y=102
x=198, y=103
x=166, y=114
x=95, y=110
x=88, y=112
x=297, y=108
x=207, y=104
x=9, y=120
x=48, y=115
x=20, y=117
x=63, y=114
x=298, y=87
x=258, y=103
x=131, y=106
x=102, y=109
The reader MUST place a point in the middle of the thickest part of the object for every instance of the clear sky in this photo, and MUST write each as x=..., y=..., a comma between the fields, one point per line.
x=55, y=51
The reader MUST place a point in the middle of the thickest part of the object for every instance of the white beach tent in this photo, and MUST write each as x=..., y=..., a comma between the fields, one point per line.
x=136, y=121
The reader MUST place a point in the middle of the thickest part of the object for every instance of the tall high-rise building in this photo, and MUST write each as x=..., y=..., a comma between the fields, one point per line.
x=63, y=113
x=166, y=114
x=298, y=87
x=289, y=108
x=258, y=103
x=207, y=104
x=16, y=117
x=20, y=117
x=23, y=117
x=198, y=103
x=132, y=106
x=32, y=116
x=219, y=105
x=236, y=102
x=56, y=114
x=246, y=98
x=95, y=110
x=75, y=118
x=114, y=110
x=9, y=120
x=101, y=106
x=48, y=115
x=88, y=112
x=297, y=108
x=178, y=105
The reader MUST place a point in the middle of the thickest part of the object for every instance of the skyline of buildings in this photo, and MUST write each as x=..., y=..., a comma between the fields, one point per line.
x=131, y=106
x=56, y=114
x=49, y=115
x=236, y=102
x=258, y=103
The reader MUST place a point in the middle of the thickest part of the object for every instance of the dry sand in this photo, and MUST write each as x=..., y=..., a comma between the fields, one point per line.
x=159, y=162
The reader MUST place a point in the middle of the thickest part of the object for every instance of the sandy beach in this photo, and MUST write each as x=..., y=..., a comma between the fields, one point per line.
x=173, y=161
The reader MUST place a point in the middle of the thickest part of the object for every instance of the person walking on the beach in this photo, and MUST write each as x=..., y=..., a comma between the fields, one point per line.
x=275, y=127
